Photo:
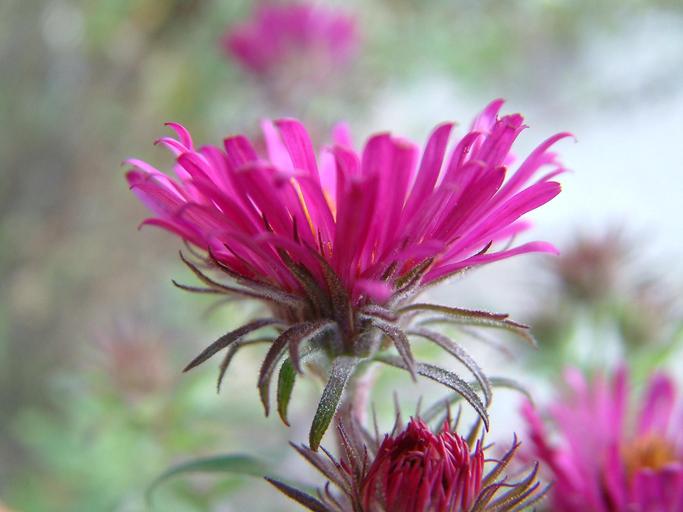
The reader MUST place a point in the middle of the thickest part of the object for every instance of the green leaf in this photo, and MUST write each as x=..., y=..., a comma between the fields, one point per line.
x=471, y=317
x=230, y=354
x=230, y=338
x=447, y=310
x=316, y=296
x=236, y=464
x=446, y=378
x=300, y=497
x=299, y=333
x=273, y=355
x=285, y=385
x=459, y=353
x=342, y=368
x=263, y=293
x=414, y=275
x=341, y=306
x=495, y=382
x=401, y=342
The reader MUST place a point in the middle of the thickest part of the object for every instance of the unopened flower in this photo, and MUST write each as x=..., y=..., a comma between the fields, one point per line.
x=338, y=246
x=612, y=453
x=414, y=469
x=309, y=37
x=418, y=470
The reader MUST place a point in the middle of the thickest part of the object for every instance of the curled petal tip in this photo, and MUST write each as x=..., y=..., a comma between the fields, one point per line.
x=566, y=135
x=551, y=249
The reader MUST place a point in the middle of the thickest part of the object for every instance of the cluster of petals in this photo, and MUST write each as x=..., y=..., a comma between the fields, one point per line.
x=418, y=471
x=607, y=452
x=277, y=34
x=372, y=215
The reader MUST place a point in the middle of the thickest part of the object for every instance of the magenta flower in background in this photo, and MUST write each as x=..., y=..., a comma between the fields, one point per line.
x=279, y=35
x=413, y=469
x=612, y=453
x=339, y=245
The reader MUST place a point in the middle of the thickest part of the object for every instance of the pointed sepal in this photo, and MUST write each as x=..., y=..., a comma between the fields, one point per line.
x=342, y=368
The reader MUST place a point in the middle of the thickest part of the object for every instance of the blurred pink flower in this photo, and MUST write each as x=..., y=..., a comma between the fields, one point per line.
x=610, y=455
x=413, y=469
x=338, y=246
x=277, y=35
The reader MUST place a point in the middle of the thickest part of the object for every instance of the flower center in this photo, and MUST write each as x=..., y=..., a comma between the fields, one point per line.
x=649, y=452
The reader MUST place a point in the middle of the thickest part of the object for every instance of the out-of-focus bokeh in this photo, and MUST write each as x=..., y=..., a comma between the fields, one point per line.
x=92, y=333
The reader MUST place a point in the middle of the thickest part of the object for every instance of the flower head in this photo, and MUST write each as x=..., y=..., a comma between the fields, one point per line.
x=415, y=469
x=418, y=470
x=339, y=245
x=611, y=455
x=371, y=217
x=279, y=36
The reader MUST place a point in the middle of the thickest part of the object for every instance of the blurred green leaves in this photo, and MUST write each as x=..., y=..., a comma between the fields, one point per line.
x=232, y=464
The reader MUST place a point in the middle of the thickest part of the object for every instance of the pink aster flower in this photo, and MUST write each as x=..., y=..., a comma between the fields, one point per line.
x=414, y=469
x=611, y=454
x=339, y=245
x=279, y=36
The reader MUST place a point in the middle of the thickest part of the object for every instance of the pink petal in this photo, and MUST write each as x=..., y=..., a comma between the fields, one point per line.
x=658, y=404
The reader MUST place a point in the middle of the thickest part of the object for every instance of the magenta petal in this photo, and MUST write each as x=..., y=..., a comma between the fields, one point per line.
x=174, y=146
x=155, y=195
x=379, y=291
x=491, y=257
x=454, y=173
x=239, y=151
x=531, y=165
x=507, y=213
x=175, y=228
x=341, y=135
x=298, y=144
x=277, y=152
x=658, y=406
x=485, y=120
x=182, y=133
x=430, y=167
